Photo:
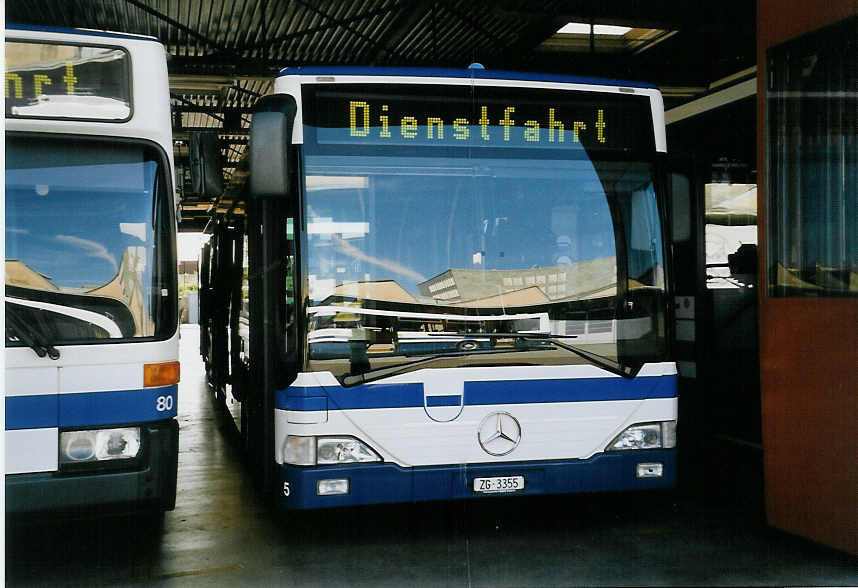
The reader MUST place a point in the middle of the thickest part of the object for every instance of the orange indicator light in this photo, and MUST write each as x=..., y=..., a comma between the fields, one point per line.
x=160, y=374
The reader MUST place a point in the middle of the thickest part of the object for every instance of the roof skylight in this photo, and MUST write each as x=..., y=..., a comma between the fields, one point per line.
x=582, y=28
x=577, y=37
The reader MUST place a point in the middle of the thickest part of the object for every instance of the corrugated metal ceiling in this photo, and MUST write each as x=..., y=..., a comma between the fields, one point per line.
x=226, y=52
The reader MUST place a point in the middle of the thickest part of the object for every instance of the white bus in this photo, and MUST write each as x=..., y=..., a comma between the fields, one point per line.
x=90, y=275
x=529, y=208
x=333, y=329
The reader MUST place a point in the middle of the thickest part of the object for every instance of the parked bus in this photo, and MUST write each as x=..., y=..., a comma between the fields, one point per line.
x=384, y=204
x=91, y=288
x=332, y=331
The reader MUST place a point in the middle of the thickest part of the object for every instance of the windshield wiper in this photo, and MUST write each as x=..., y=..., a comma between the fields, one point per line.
x=29, y=334
x=597, y=360
x=379, y=373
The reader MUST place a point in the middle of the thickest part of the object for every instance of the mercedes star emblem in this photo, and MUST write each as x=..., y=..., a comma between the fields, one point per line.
x=499, y=433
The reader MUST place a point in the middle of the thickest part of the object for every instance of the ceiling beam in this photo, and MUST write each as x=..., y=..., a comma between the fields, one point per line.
x=176, y=24
x=232, y=66
x=521, y=51
x=224, y=111
x=331, y=23
x=340, y=23
x=474, y=25
x=403, y=24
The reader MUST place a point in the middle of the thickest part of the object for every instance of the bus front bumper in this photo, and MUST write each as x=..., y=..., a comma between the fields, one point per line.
x=376, y=483
x=150, y=485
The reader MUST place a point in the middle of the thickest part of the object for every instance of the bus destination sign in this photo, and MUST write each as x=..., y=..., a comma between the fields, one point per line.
x=53, y=80
x=500, y=117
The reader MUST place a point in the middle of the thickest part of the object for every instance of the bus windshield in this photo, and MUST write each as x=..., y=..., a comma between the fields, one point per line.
x=424, y=249
x=88, y=239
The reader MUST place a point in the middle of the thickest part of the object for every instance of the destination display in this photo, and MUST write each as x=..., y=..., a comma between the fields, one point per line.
x=52, y=80
x=406, y=115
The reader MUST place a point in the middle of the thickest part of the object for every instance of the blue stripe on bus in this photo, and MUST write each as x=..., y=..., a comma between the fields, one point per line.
x=426, y=72
x=478, y=393
x=452, y=400
x=364, y=396
x=91, y=408
x=581, y=390
x=374, y=483
x=31, y=412
x=291, y=402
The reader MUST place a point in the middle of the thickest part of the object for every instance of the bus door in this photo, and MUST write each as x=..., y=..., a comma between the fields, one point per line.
x=239, y=313
x=273, y=355
x=223, y=242
x=689, y=285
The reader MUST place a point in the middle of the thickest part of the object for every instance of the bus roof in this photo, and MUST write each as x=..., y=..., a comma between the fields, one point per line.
x=426, y=72
x=85, y=32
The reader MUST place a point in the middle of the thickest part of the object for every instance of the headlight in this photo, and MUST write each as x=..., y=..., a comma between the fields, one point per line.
x=307, y=451
x=646, y=436
x=99, y=445
x=343, y=450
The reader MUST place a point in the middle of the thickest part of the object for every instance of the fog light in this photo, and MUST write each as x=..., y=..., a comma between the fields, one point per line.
x=650, y=470
x=332, y=487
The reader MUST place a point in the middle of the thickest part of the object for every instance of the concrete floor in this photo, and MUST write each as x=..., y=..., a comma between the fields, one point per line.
x=222, y=533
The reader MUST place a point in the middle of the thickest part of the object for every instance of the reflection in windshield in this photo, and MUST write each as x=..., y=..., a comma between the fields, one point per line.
x=524, y=232
x=81, y=238
x=428, y=253
x=540, y=235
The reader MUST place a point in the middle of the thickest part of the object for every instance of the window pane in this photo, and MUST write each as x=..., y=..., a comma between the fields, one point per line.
x=83, y=237
x=423, y=241
x=812, y=107
x=731, y=235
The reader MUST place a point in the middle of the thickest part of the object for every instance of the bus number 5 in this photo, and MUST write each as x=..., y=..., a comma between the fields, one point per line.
x=163, y=403
x=286, y=489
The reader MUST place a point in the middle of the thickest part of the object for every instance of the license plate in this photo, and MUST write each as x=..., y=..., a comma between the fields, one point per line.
x=501, y=484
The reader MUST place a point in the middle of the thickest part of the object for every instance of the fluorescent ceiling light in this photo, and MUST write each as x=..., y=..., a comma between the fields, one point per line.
x=581, y=28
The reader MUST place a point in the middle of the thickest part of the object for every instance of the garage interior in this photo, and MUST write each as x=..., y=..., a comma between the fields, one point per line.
x=735, y=518
x=224, y=54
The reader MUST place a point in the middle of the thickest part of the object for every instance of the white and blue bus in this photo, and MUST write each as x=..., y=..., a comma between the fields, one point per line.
x=395, y=203
x=90, y=276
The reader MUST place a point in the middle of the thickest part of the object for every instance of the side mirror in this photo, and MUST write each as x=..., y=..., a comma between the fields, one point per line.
x=270, y=146
x=206, y=165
